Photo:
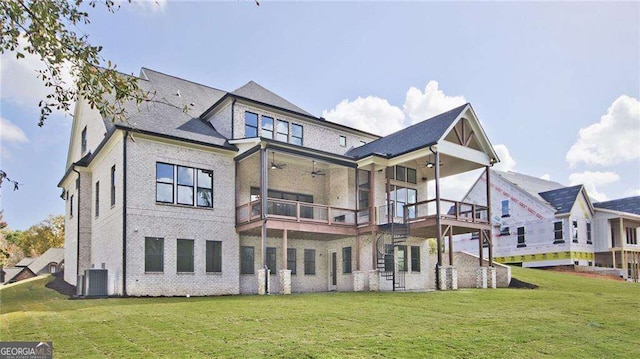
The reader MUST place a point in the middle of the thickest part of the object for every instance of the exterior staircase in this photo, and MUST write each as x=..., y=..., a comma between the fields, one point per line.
x=394, y=234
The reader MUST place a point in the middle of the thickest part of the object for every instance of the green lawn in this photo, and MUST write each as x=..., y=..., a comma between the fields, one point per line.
x=568, y=316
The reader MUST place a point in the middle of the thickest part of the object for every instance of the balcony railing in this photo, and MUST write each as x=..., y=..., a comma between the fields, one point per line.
x=461, y=211
x=301, y=212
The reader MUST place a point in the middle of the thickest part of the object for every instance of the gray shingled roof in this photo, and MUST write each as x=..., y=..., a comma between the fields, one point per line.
x=24, y=262
x=163, y=119
x=530, y=184
x=629, y=205
x=562, y=199
x=10, y=273
x=414, y=137
x=51, y=255
x=255, y=92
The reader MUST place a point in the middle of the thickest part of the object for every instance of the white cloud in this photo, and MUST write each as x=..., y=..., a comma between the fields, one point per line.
x=507, y=162
x=633, y=192
x=420, y=106
x=612, y=140
x=371, y=114
x=376, y=115
x=147, y=5
x=546, y=177
x=591, y=180
x=19, y=81
x=10, y=133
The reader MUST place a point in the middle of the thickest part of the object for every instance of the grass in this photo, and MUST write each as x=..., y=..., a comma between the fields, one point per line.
x=567, y=317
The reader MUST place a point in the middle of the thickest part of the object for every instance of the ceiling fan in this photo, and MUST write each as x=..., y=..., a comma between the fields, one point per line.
x=431, y=163
x=315, y=172
x=274, y=165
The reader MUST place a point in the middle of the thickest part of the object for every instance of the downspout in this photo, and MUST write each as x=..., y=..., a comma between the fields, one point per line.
x=124, y=213
x=77, y=226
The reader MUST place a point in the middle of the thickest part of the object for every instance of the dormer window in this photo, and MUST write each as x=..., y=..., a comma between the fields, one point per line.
x=83, y=141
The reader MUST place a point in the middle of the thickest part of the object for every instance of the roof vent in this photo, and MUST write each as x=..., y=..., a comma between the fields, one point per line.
x=178, y=93
x=192, y=104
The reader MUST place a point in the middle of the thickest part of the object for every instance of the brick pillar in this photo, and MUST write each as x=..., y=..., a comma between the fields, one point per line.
x=492, y=277
x=481, y=277
x=358, y=281
x=453, y=277
x=374, y=280
x=263, y=277
x=443, y=278
x=285, y=281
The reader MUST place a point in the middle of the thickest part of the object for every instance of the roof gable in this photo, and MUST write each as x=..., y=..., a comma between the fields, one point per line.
x=419, y=135
x=52, y=255
x=628, y=205
x=255, y=92
x=531, y=185
x=562, y=199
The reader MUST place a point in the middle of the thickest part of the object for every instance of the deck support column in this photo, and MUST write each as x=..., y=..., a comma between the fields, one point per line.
x=284, y=275
x=489, y=232
x=263, y=280
x=438, y=219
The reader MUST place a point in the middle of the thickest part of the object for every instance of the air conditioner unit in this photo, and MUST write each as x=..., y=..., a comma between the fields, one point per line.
x=95, y=283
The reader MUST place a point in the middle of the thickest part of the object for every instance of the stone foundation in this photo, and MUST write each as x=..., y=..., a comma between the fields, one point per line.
x=492, y=277
x=448, y=278
x=284, y=278
x=374, y=280
x=358, y=281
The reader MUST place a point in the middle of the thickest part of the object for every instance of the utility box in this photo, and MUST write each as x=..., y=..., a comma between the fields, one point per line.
x=80, y=285
x=95, y=283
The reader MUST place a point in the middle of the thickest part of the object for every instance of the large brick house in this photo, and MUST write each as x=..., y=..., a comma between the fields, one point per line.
x=542, y=223
x=247, y=193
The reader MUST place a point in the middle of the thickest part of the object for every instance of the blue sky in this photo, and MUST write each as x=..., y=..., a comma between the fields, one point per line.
x=535, y=73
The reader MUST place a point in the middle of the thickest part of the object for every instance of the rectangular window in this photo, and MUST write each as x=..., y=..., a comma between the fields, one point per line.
x=113, y=185
x=153, y=254
x=364, y=188
x=291, y=260
x=214, y=257
x=282, y=131
x=631, y=235
x=296, y=134
x=310, y=261
x=415, y=258
x=402, y=258
x=521, y=239
x=97, y=199
x=205, y=188
x=589, y=233
x=343, y=141
x=401, y=173
x=286, y=209
x=412, y=175
x=250, y=125
x=574, y=231
x=185, y=185
x=246, y=260
x=346, y=260
x=271, y=259
x=164, y=183
x=185, y=255
x=83, y=141
x=557, y=233
x=71, y=206
x=182, y=180
x=505, y=208
x=267, y=127
x=504, y=231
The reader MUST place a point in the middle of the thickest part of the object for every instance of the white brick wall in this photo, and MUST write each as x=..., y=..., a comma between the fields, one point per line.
x=146, y=218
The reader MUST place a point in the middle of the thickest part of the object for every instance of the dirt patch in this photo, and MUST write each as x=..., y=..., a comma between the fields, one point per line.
x=517, y=283
x=59, y=285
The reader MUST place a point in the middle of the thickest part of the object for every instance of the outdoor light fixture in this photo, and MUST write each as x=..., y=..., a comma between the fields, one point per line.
x=429, y=164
